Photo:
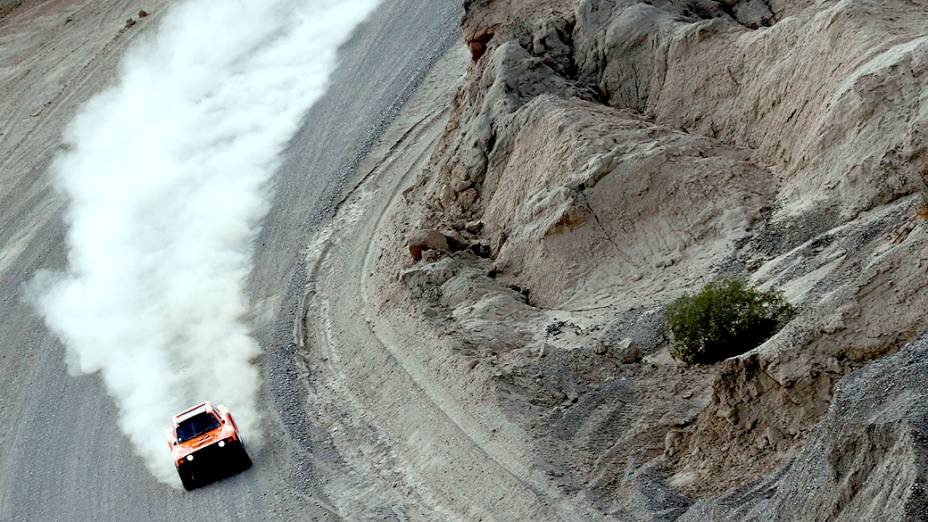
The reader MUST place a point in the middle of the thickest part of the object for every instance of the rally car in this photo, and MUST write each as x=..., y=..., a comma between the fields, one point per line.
x=205, y=444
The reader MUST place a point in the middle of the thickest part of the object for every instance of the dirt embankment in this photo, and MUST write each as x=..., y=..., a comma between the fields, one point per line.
x=603, y=157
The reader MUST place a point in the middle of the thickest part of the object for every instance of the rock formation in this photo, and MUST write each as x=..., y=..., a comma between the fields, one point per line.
x=605, y=156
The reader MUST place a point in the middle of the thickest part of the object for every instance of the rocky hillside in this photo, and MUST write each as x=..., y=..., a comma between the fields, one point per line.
x=605, y=156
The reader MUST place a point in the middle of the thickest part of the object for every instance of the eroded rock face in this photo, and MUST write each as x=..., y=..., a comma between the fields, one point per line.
x=617, y=153
x=579, y=173
x=831, y=95
x=866, y=460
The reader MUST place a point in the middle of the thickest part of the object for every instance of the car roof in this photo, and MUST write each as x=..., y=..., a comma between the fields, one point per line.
x=190, y=412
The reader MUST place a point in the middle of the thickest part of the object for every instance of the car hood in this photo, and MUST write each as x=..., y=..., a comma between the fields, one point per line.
x=201, y=441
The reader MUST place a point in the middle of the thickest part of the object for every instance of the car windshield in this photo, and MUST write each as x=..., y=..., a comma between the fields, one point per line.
x=195, y=426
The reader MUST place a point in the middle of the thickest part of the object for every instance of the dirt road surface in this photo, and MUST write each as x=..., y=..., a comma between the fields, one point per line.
x=62, y=456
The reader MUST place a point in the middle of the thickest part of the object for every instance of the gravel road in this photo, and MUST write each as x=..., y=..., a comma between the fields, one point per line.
x=61, y=454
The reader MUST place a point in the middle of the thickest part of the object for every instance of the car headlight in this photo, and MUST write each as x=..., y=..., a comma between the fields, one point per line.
x=222, y=444
x=189, y=458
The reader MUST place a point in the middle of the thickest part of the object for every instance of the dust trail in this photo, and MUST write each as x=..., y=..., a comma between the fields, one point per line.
x=167, y=178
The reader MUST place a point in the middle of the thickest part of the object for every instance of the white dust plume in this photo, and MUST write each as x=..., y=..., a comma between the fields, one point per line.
x=167, y=177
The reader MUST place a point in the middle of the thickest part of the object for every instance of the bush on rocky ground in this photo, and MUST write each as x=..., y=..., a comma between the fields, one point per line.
x=724, y=319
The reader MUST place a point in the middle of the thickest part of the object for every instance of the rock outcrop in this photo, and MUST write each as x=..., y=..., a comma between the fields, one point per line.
x=609, y=155
x=866, y=460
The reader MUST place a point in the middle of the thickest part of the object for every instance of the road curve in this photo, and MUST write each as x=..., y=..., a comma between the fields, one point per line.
x=61, y=454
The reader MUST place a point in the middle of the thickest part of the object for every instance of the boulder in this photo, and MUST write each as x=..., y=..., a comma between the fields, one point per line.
x=627, y=351
x=474, y=227
x=423, y=240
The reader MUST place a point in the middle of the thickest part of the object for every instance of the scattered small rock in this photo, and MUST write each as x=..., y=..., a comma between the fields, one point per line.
x=455, y=242
x=773, y=436
x=481, y=248
x=832, y=365
x=468, y=198
x=474, y=227
x=628, y=352
x=143, y=13
x=730, y=414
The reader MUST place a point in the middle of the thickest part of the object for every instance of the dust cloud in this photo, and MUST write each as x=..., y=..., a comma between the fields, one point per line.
x=168, y=176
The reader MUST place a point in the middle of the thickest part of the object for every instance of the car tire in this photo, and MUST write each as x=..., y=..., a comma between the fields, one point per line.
x=243, y=459
x=186, y=478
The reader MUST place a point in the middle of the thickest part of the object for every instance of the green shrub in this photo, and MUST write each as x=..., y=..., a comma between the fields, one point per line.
x=726, y=318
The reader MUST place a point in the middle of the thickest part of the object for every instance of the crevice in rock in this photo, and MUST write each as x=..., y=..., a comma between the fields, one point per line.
x=602, y=228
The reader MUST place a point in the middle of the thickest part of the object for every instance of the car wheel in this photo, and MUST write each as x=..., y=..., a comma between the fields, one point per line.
x=243, y=459
x=186, y=478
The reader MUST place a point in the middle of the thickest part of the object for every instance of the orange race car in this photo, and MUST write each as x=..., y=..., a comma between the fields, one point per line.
x=206, y=444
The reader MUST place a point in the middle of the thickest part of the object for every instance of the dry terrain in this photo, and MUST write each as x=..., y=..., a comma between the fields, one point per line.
x=461, y=284
x=603, y=157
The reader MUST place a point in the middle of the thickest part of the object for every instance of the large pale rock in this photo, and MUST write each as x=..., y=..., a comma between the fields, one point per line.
x=423, y=240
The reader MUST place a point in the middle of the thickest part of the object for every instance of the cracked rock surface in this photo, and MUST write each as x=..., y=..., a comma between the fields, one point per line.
x=602, y=157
